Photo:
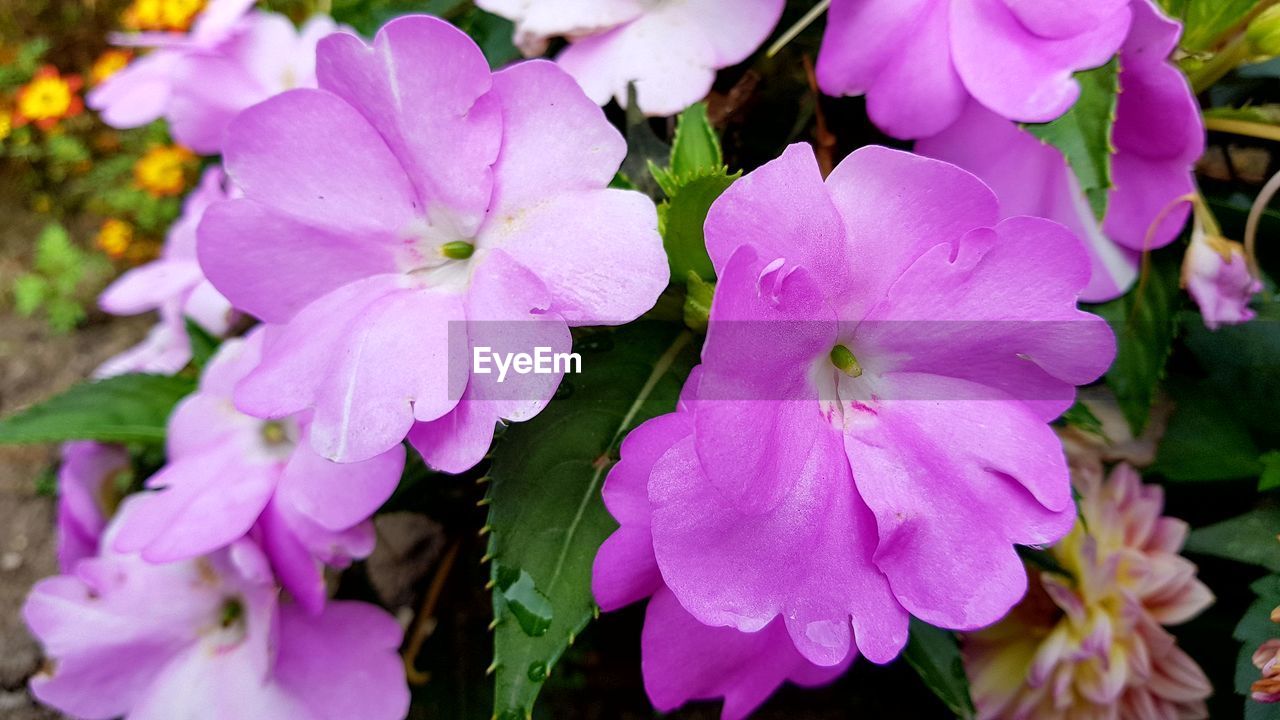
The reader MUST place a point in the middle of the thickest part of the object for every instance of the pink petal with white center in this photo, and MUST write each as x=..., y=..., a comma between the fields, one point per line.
x=443, y=127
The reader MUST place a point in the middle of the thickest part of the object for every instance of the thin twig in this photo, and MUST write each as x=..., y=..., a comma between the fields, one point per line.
x=814, y=13
x=1265, y=197
x=423, y=623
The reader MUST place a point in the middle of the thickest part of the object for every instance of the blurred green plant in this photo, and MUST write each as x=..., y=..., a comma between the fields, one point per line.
x=59, y=272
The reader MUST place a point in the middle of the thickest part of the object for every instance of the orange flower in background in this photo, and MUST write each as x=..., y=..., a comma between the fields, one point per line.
x=48, y=98
x=162, y=15
x=164, y=170
x=108, y=63
x=114, y=238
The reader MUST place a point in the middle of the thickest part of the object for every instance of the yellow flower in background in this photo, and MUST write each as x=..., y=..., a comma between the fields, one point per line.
x=114, y=237
x=162, y=15
x=108, y=63
x=48, y=98
x=163, y=171
x=179, y=14
x=6, y=124
x=1093, y=646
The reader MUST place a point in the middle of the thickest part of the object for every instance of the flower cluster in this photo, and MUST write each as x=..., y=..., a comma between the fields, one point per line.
x=199, y=80
x=1158, y=135
x=1092, y=644
x=866, y=442
x=868, y=430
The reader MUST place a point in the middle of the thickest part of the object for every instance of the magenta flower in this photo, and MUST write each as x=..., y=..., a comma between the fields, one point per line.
x=175, y=286
x=920, y=61
x=200, y=82
x=1158, y=137
x=684, y=659
x=671, y=49
x=229, y=475
x=207, y=639
x=868, y=435
x=393, y=219
x=86, y=497
x=1218, y=277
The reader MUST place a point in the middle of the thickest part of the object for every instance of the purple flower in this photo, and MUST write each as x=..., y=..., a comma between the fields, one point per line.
x=670, y=50
x=207, y=638
x=920, y=61
x=867, y=437
x=1218, y=277
x=175, y=286
x=1158, y=137
x=230, y=475
x=229, y=61
x=394, y=219
x=87, y=496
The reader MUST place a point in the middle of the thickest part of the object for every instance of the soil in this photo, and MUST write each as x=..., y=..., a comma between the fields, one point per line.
x=35, y=363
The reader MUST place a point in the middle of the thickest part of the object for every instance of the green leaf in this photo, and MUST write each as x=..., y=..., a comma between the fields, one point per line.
x=203, y=344
x=1083, y=134
x=935, y=656
x=126, y=408
x=681, y=220
x=1254, y=629
x=1080, y=416
x=1204, y=21
x=546, y=514
x=1270, y=477
x=695, y=152
x=1248, y=538
x=1206, y=439
x=1145, y=324
x=696, y=148
x=697, y=302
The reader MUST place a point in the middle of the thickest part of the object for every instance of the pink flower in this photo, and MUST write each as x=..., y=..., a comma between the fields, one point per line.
x=671, y=49
x=920, y=61
x=393, y=219
x=684, y=659
x=207, y=639
x=230, y=475
x=867, y=437
x=1093, y=645
x=229, y=61
x=140, y=94
x=175, y=286
x=87, y=496
x=1158, y=136
x=1218, y=277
